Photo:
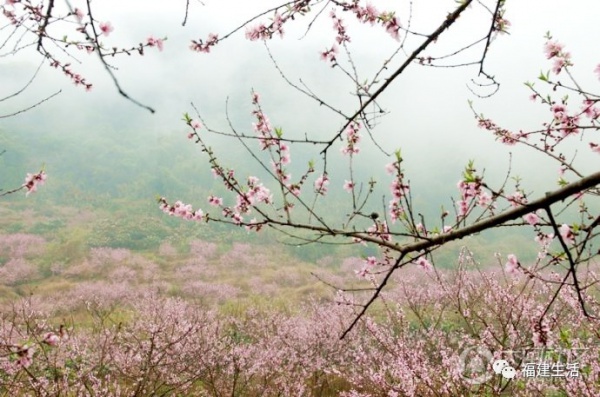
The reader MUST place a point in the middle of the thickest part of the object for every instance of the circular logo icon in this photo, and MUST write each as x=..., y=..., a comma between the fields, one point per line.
x=475, y=362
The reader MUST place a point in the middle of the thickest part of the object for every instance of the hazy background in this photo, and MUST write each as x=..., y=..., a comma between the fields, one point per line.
x=98, y=146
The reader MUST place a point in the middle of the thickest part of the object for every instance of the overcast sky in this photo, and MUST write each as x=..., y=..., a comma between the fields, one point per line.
x=429, y=116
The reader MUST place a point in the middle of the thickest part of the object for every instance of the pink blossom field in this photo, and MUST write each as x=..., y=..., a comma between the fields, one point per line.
x=182, y=323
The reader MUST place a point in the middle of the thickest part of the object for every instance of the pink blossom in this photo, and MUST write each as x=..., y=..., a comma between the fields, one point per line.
x=254, y=225
x=106, y=28
x=195, y=124
x=215, y=201
x=559, y=64
x=78, y=14
x=352, y=139
x=285, y=159
x=391, y=24
x=463, y=207
x=367, y=14
x=321, y=184
x=540, y=333
x=330, y=54
x=180, y=210
x=597, y=70
x=532, y=219
x=294, y=189
x=51, y=339
x=371, y=261
x=420, y=228
x=32, y=181
x=390, y=168
x=512, y=266
x=348, y=186
x=258, y=32
x=399, y=189
x=395, y=209
x=501, y=24
x=424, y=263
x=237, y=218
x=278, y=22
x=362, y=273
x=342, y=36
x=155, y=42
x=567, y=234
x=484, y=199
x=544, y=239
x=200, y=46
x=595, y=147
x=516, y=199
x=25, y=355
x=552, y=49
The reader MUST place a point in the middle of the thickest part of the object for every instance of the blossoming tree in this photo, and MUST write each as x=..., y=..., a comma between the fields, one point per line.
x=403, y=237
x=402, y=234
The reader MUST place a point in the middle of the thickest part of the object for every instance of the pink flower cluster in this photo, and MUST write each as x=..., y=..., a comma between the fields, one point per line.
x=501, y=24
x=78, y=14
x=321, y=184
x=381, y=230
x=513, y=265
x=532, y=218
x=32, y=181
x=505, y=136
x=516, y=199
x=215, y=201
x=330, y=55
x=201, y=46
x=567, y=234
x=106, y=28
x=424, y=263
x=25, y=355
x=264, y=32
x=53, y=338
x=590, y=110
x=181, y=210
x=541, y=332
x=257, y=193
x=370, y=14
x=554, y=50
x=352, y=139
x=567, y=124
x=280, y=151
x=338, y=26
x=264, y=129
x=544, y=240
x=29, y=11
x=470, y=191
x=399, y=189
x=349, y=186
x=153, y=42
x=369, y=263
x=391, y=23
x=258, y=32
x=76, y=77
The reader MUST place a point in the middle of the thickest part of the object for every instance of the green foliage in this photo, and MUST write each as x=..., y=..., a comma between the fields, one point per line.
x=136, y=233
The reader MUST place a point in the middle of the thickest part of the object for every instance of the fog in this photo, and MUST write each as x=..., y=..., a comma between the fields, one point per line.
x=428, y=114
